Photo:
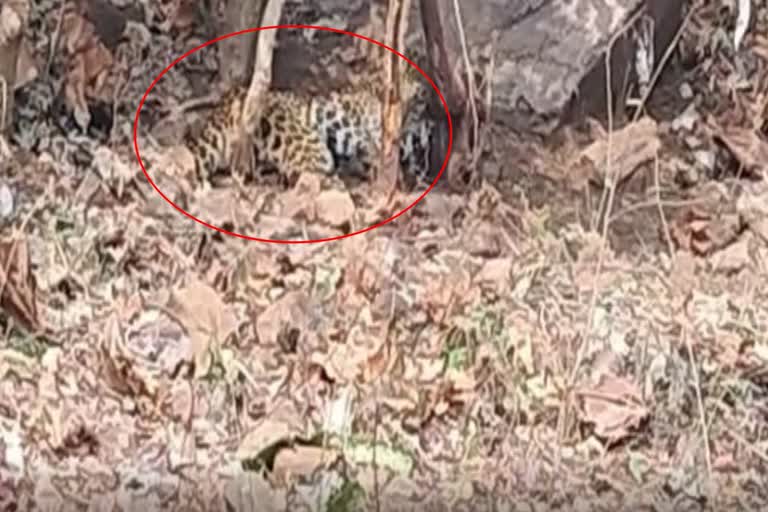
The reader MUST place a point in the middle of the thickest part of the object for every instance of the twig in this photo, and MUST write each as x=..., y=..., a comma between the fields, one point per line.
x=582, y=349
x=649, y=203
x=748, y=445
x=664, y=224
x=606, y=198
x=700, y=402
x=4, y=106
x=608, y=203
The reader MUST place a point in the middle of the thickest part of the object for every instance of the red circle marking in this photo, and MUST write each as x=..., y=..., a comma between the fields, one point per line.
x=268, y=240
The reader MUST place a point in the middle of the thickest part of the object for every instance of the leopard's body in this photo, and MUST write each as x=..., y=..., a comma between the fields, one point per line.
x=300, y=133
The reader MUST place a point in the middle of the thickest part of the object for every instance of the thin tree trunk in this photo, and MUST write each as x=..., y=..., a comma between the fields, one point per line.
x=262, y=51
x=447, y=69
x=240, y=51
x=261, y=77
x=396, y=26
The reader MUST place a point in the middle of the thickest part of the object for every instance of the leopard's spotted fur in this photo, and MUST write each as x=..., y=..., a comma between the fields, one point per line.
x=300, y=133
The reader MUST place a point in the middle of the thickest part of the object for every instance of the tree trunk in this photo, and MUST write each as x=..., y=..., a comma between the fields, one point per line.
x=396, y=25
x=240, y=51
x=446, y=68
x=261, y=78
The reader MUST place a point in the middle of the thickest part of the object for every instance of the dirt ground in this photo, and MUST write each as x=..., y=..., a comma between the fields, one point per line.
x=507, y=347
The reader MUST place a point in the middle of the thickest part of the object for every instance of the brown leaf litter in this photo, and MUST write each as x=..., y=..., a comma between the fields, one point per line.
x=441, y=346
x=205, y=317
x=89, y=63
x=709, y=226
x=616, y=157
x=614, y=406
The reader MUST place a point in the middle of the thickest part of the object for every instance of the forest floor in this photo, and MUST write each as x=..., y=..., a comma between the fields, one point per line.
x=499, y=348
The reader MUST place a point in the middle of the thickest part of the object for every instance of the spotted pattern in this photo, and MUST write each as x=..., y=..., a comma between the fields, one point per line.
x=314, y=133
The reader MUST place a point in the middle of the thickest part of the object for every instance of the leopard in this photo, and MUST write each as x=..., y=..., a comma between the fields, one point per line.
x=300, y=133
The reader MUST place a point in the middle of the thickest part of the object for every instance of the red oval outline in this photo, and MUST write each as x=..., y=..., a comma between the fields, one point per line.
x=269, y=240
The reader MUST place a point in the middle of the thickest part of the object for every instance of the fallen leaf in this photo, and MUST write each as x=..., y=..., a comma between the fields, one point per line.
x=27, y=67
x=704, y=231
x=495, y=274
x=284, y=423
x=334, y=207
x=22, y=366
x=752, y=206
x=484, y=240
x=246, y=488
x=300, y=461
x=18, y=289
x=299, y=201
x=735, y=257
x=285, y=318
x=356, y=358
x=89, y=63
x=747, y=146
x=13, y=18
x=614, y=406
x=205, y=316
x=630, y=147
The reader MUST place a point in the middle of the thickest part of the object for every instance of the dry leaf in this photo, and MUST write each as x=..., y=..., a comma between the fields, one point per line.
x=752, y=206
x=683, y=273
x=285, y=318
x=703, y=231
x=747, y=147
x=247, y=488
x=89, y=64
x=205, y=316
x=735, y=257
x=495, y=273
x=179, y=14
x=334, y=207
x=24, y=367
x=484, y=240
x=630, y=147
x=18, y=290
x=355, y=358
x=13, y=18
x=378, y=363
x=27, y=67
x=614, y=406
x=300, y=200
x=284, y=423
x=300, y=461
x=217, y=206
